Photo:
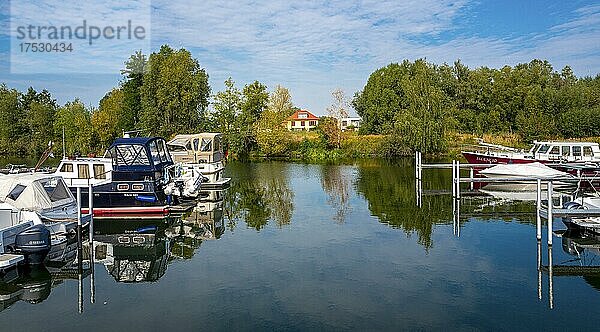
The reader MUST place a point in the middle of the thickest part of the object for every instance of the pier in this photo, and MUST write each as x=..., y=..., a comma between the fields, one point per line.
x=545, y=209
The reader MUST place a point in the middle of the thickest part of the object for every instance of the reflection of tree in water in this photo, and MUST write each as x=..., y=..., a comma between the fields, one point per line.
x=389, y=189
x=259, y=193
x=336, y=182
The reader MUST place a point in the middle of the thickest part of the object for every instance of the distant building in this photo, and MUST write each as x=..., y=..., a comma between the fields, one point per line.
x=350, y=123
x=302, y=120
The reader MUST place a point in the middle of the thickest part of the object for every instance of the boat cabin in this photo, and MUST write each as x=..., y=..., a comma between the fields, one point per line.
x=138, y=158
x=565, y=151
x=204, y=148
x=80, y=172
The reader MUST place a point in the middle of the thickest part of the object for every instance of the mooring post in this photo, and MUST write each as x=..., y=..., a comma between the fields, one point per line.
x=539, y=210
x=550, y=217
x=453, y=179
x=471, y=176
x=539, y=268
x=79, y=239
x=91, y=211
x=458, y=178
x=416, y=165
x=550, y=279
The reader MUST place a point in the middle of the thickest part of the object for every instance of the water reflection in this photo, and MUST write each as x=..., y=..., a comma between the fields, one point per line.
x=585, y=250
x=135, y=254
x=259, y=194
x=389, y=191
x=336, y=182
x=203, y=223
x=32, y=285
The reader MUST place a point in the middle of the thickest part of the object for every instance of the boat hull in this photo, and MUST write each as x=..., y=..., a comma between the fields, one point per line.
x=482, y=158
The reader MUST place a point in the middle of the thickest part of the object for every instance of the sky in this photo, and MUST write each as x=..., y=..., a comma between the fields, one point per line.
x=310, y=47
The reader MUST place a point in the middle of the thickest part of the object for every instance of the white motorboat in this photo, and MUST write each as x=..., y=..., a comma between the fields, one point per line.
x=22, y=237
x=532, y=170
x=203, y=153
x=45, y=194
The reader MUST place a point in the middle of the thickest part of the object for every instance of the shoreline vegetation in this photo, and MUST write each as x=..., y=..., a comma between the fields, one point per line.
x=405, y=107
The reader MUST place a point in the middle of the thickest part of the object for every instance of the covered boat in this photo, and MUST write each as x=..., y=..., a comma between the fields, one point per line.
x=201, y=153
x=534, y=170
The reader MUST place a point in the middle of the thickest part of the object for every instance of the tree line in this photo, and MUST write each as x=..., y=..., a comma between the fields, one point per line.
x=418, y=103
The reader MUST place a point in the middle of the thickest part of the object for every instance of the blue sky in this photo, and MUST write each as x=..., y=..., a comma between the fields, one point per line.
x=317, y=46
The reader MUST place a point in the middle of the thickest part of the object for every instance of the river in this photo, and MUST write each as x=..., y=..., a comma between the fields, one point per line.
x=293, y=246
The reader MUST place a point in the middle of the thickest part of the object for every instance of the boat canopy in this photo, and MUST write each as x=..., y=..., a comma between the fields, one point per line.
x=200, y=148
x=139, y=153
x=35, y=191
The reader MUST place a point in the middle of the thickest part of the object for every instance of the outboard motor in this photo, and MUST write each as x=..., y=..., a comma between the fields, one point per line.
x=33, y=243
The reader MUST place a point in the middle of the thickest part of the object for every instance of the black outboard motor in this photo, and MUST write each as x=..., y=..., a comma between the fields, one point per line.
x=33, y=243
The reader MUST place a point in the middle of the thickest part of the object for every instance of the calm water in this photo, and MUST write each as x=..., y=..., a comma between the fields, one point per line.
x=313, y=247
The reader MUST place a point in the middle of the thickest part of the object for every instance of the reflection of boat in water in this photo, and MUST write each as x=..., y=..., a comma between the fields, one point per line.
x=586, y=248
x=138, y=254
x=205, y=222
x=29, y=285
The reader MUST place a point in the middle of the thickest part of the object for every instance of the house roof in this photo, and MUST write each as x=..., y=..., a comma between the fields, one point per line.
x=309, y=116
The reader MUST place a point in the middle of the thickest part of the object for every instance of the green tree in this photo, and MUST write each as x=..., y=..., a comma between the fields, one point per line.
x=227, y=106
x=271, y=135
x=39, y=109
x=109, y=121
x=75, y=119
x=174, y=93
x=11, y=126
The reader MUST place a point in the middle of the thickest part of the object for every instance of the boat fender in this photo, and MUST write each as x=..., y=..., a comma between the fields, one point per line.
x=146, y=198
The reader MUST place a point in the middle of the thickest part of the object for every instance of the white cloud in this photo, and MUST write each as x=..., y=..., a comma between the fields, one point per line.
x=313, y=47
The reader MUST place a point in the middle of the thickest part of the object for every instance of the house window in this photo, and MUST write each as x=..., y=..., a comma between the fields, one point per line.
x=312, y=123
x=303, y=123
x=302, y=115
x=67, y=168
x=344, y=123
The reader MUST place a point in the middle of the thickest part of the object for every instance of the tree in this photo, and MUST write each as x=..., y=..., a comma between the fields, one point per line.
x=39, y=109
x=227, y=106
x=109, y=121
x=135, y=69
x=174, y=93
x=337, y=111
x=271, y=135
x=10, y=124
x=75, y=119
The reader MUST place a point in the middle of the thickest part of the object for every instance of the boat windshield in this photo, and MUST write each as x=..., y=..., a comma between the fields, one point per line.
x=56, y=189
x=206, y=145
x=544, y=148
x=129, y=155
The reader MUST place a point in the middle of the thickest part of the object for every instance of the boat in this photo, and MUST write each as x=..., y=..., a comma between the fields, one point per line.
x=201, y=153
x=47, y=195
x=129, y=179
x=547, y=152
x=136, y=176
x=22, y=239
x=532, y=170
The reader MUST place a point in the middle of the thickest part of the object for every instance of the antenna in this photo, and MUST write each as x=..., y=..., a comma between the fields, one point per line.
x=63, y=143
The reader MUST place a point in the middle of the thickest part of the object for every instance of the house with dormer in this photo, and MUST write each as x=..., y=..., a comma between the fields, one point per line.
x=302, y=120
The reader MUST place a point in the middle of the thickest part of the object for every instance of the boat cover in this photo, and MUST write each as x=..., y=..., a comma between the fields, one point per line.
x=35, y=191
x=534, y=170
